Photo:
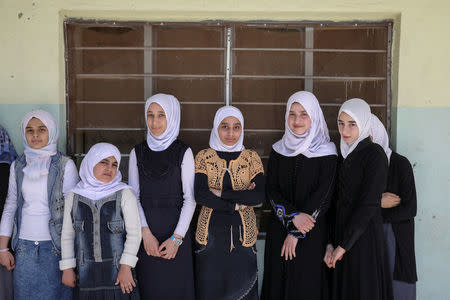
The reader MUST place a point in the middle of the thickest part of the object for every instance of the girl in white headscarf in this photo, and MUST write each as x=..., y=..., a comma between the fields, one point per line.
x=38, y=181
x=229, y=181
x=358, y=249
x=161, y=172
x=379, y=135
x=399, y=207
x=300, y=184
x=101, y=232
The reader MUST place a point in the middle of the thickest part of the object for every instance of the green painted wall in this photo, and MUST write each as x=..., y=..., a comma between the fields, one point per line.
x=423, y=135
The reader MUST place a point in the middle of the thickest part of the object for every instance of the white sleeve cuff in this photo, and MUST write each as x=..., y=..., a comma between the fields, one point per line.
x=128, y=259
x=67, y=264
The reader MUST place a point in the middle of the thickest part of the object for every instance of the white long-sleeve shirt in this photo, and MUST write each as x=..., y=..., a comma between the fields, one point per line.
x=187, y=179
x=132, y=222
x=35, y=211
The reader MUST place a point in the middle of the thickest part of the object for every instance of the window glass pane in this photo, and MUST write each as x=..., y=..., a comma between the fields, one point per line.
x=107, y=61
x=198, y=115
x=268, y=63
x=374, y=92
x=188, y=62
x=105, y=36
x=338, y=91
x=185, y=36
x=373, y=38
x=330, y=91
x=125, y=140
x=349, y=64
x=191, y=89
x=108, y=115
x=248, y=37
x=265, y=90
x=105, y=89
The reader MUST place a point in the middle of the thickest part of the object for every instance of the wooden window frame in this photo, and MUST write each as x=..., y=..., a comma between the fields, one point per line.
x=229, y=75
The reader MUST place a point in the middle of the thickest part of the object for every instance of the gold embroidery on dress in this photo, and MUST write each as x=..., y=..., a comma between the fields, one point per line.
x=241, y=170
x=201, y=234
x=248, y=218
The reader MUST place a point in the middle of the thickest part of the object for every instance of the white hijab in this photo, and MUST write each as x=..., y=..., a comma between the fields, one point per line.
x=171, y=107
x=380, y=136
x=315, y=142
x=38, y=160
x=359, y=110
x=89, y=186
x=214, y=139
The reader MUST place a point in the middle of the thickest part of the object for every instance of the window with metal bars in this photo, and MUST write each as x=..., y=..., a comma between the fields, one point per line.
x=112, y=67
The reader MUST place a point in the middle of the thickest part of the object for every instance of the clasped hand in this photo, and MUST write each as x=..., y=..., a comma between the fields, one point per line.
x=168, y=249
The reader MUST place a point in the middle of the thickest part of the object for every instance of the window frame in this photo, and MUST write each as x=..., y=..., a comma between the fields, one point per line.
x=229, y=34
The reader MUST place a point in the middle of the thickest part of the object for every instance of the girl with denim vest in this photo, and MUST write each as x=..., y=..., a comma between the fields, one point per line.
x=101, y=231
x=34, y=209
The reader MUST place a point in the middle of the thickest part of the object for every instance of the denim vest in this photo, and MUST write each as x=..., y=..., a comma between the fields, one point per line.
x=99, y=239
x=55, y=196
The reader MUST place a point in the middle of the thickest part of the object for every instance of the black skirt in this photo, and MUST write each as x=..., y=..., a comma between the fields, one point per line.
x=160, y=278
x=224, y=268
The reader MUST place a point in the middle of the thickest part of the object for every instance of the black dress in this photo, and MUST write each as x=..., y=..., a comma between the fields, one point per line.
x=363, y=272
x=5, y=275
x=161, y=196
x=4, y=181
x=297, y=184
x=399, y=227
x=226, y=270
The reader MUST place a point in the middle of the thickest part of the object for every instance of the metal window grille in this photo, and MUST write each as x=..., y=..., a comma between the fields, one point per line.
x=112, y=67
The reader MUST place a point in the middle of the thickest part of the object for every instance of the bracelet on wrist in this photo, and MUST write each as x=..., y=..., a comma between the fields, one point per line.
x=4, y=250
x=177, y=241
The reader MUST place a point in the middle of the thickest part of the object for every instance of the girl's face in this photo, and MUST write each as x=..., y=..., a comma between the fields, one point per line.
x=156, y=119
x=299, y=121
x=106, y=169
x=36, y=134
x=348, y=128
x=230, y=129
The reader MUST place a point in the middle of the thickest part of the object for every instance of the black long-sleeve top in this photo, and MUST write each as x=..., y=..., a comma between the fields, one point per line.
x=401, y=183
x=227, y=201
x=363, y=271
x=4, y=180
x=300, y=184
x=361, y=181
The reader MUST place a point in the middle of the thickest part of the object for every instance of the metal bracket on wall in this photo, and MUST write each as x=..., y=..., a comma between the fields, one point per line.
x=228, y=68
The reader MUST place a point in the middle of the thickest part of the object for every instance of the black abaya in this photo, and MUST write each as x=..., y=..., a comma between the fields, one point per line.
x=297, y=184
x=363, y=272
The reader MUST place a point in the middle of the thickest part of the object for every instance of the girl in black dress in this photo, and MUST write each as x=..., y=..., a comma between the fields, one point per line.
x=229, y=180
x=300, y=184
x=161, y=172
x=399, y=207
x=358, y=250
